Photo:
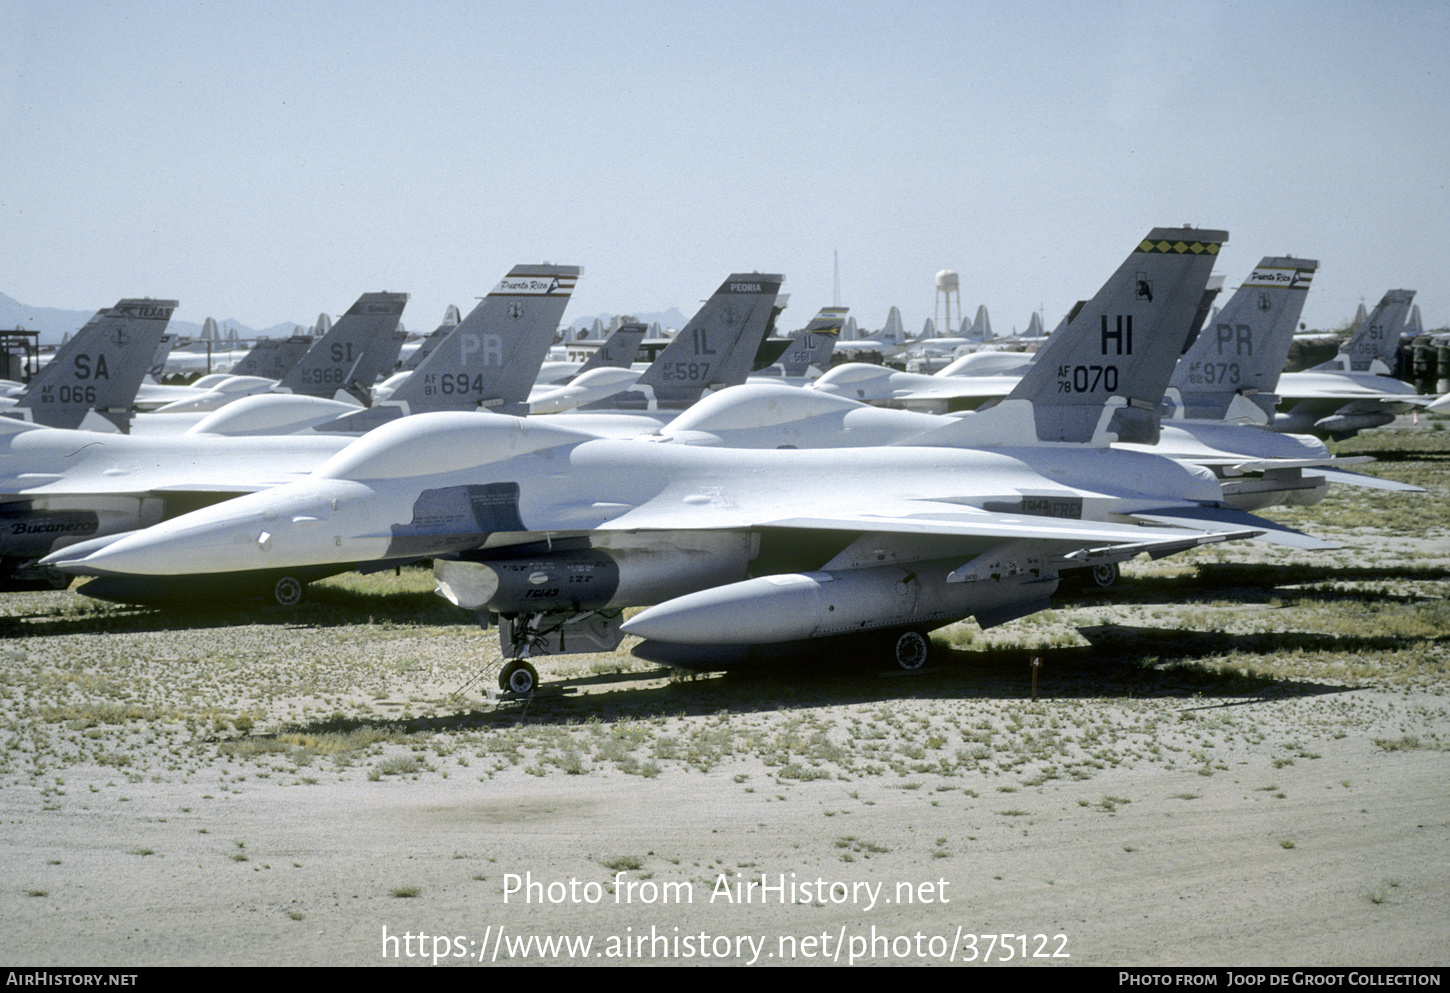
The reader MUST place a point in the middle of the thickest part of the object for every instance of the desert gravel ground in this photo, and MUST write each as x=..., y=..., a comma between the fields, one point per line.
x=1237, y=757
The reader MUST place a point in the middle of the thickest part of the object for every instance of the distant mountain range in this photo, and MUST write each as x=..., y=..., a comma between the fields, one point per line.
x=54, y=323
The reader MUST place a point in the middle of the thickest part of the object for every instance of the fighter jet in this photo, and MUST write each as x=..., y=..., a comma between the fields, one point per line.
x=259, y=371
x=555, y=530
x=713, y=350
x=1219, y=399
x=341, y=365
x=61, y=487
x=618, y=351
x=967, y=383
x=93, y=379
x=1356, y=389
x=486, y=362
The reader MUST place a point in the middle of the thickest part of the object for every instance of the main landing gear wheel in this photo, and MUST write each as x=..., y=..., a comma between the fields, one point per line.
x=288, y=591
x=1105, y=575
x=911, y=650
x=518, y=677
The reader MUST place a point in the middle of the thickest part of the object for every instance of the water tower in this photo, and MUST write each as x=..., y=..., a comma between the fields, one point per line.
x=946, y=287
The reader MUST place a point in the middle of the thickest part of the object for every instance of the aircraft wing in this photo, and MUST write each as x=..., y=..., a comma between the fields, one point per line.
x=53, y=462
x=1342, y=407
x=234, y=487
x=1296, y=386
x=913, y=517
x=1243, y=467
x=967, y=388
x=1366, y=402
x=1210, y=518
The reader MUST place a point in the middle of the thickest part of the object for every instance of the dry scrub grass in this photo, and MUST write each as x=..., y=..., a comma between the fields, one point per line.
x=376, y=668
x=1168, y=679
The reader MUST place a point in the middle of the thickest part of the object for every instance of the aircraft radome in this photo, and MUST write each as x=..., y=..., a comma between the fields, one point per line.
x=61, y=488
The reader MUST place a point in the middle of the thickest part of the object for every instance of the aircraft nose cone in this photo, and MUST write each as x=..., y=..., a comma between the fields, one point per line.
x=73, y=559
x=139, y=553
x=281, y=528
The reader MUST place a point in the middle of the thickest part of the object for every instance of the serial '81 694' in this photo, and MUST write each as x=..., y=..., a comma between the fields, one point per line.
x=453, y=384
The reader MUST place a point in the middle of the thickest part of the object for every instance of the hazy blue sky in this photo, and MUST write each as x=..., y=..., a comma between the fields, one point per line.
x=267, y=161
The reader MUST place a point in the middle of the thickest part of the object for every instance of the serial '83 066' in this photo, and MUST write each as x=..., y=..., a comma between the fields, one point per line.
x=66, y=394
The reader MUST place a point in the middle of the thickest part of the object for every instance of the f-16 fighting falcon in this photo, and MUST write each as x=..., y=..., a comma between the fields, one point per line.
x=554, y=531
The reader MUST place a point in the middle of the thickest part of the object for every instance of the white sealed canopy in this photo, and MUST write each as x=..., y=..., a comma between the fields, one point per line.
x=444, y=442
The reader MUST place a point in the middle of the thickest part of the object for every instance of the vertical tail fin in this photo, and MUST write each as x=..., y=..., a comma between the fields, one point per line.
x=618, y=351
x=1243, y=350
x=340, y=359
x=273, y=358
x=1122, y=346
x=1373, y=346
x=1413, y=326
x=100, y=368
x=425, y=348
x=813, y=347
x=718, y=345
x=162, y=353
x=492, y=358
x=1205, y=307
x=982, y=326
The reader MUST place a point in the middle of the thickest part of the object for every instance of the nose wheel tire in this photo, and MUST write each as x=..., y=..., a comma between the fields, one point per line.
x=518, y=677
x=287, y=591
x=911, y=650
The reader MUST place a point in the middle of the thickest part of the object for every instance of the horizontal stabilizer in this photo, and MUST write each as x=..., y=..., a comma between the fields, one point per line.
x=1229, y=519
x=1246, y=466
x=1343, y=477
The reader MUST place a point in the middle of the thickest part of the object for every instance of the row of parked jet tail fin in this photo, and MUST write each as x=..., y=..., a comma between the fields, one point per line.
x=761, y=517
